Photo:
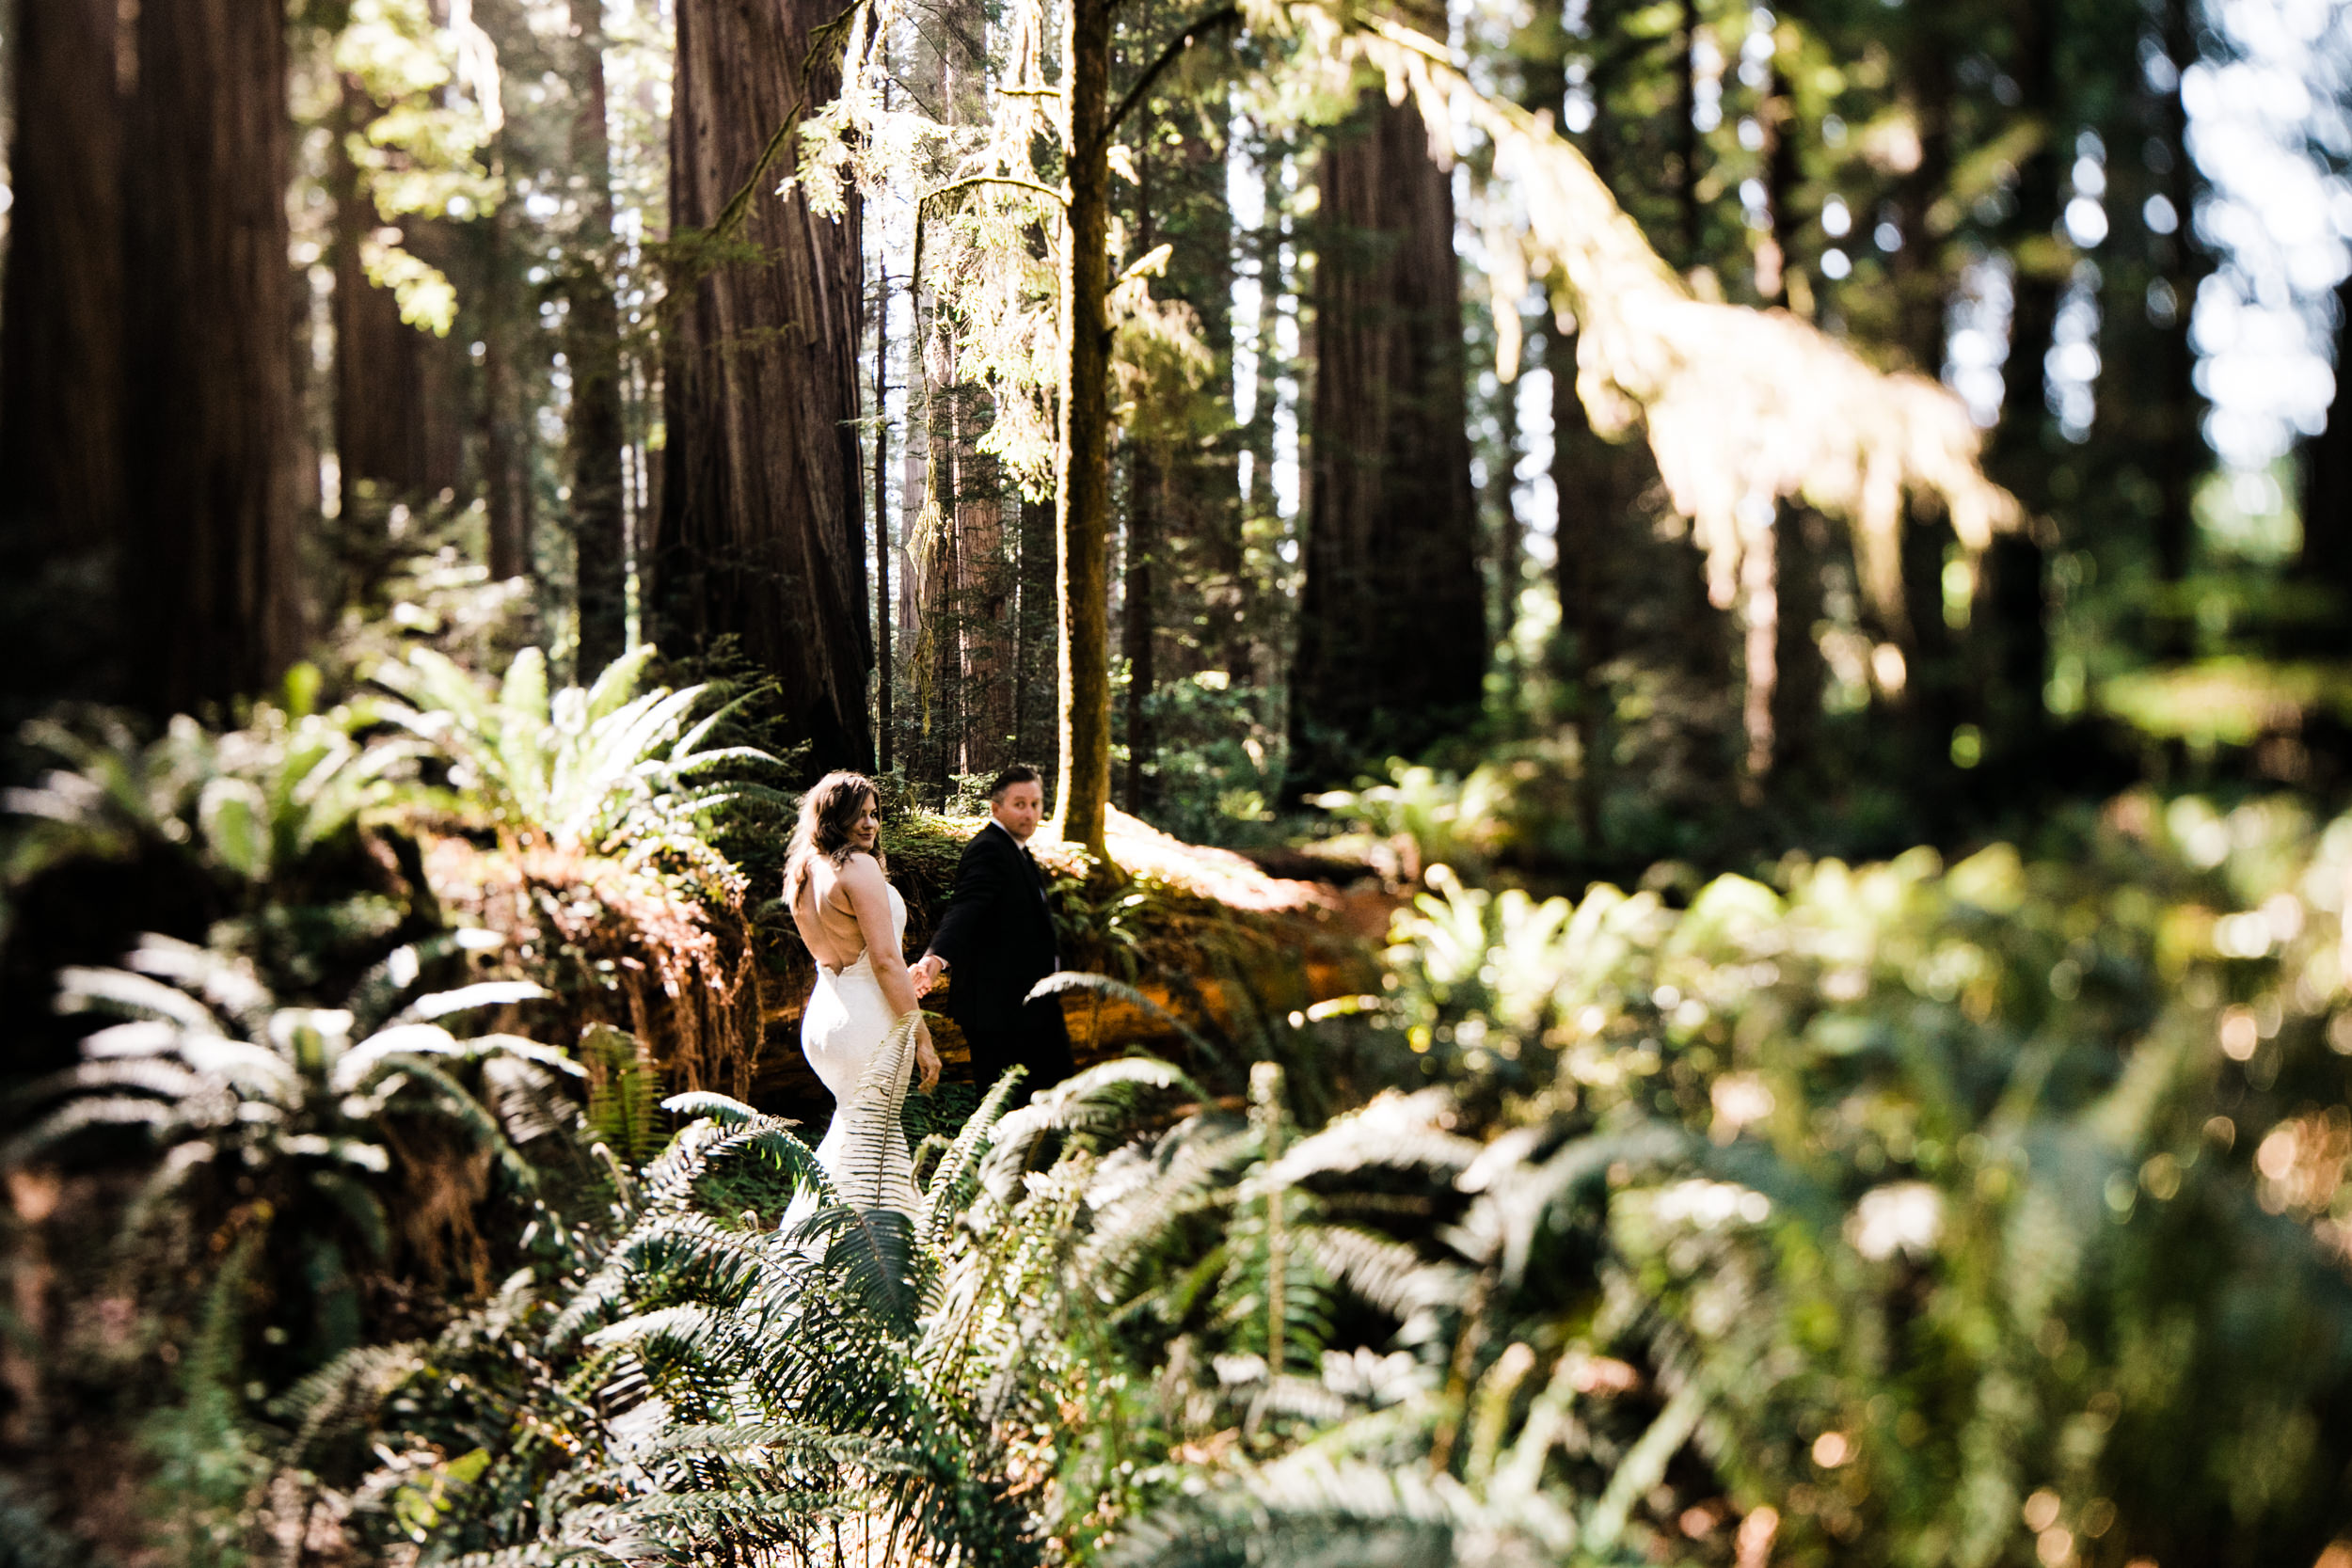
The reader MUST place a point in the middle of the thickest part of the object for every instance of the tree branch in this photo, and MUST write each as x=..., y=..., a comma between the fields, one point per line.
x=1224, y=16
x=1030, y=185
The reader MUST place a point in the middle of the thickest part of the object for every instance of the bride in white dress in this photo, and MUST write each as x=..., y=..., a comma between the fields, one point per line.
x=862, y=1031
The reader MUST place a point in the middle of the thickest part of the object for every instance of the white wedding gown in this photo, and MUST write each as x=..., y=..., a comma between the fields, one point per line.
x=846, y=1034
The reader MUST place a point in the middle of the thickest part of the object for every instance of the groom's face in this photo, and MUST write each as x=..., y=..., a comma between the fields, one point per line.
x=1019, y=807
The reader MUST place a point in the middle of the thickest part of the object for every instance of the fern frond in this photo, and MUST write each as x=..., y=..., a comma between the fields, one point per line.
x=1303, y=1512
x=1393, y=1130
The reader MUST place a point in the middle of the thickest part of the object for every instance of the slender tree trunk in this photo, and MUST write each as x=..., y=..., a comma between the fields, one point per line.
x=763, y=524
x=1776, y=255
x=2179, y=448
x=1803, y=538
x=61, y=386
x=1391, y=636
x=2327, y=556
x=505, y=432
x=1687, y=133
x=946, y=708
x=1037, y=660
x=592, y=346
x=2020, y=458
x=884, y=719
x=1085, y=489
x=1930, y=704
x=1143, y=533
x=213, y=543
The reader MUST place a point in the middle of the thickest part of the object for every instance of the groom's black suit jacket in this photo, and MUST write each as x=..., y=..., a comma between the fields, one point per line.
x=997, y=935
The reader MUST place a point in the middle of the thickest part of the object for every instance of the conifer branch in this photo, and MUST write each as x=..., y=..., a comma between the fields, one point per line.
x=1224, y=16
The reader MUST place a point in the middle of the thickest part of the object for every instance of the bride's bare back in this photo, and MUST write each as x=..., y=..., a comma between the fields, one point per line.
x=844, y=911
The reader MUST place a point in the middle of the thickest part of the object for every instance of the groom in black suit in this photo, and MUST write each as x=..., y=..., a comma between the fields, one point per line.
x=997, y=941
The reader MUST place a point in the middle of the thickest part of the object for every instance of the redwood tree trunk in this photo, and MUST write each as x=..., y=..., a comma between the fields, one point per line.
x=763, y=525
x=60, y=358
x=983, y=596
x=593, y=347
x=212, y=541
x=396, y=403
x=1082, y=805
x=1391, y=640
x=505, y=434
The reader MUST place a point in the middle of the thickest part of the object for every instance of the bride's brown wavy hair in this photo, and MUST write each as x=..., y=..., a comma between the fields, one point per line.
x=829, y=813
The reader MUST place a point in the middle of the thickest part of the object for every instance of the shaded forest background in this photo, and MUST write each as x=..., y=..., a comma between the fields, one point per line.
x=544, y=311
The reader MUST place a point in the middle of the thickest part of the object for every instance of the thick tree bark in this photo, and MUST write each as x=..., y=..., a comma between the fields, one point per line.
x=763, y=522
x=60, y=359
x=592, y=345
x=1081, y=809
x=212, y=543
x=505, y=432
x=983, y=595
x=397, y=431
x=1391, y=640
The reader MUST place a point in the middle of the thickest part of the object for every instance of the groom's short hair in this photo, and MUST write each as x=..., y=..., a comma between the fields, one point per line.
x=1020, y=772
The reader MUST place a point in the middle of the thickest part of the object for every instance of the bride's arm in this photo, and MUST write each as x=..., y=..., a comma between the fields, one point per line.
x=869, y=896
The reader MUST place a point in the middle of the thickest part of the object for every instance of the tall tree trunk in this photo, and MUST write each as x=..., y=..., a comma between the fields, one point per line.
x=1803, y=537
x=2327, y=556
x=396, y=410
x=1800, y=674
x=1143, y=512
x=1929, y=705
x=1036, y=659
x=763, y=523
x=213, y=546
x=983, y=597
x=1776, y=253
x=883, y=716
x=1084, y=493
x=593, y=348
x=1391, y=636
x=1687, y=141
x=1588, y=504
x=61, y=386
x=2179, y=447
x=505, y=431
x=2020, y=458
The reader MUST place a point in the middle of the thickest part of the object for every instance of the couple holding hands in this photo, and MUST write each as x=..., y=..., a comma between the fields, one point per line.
x=994, y=945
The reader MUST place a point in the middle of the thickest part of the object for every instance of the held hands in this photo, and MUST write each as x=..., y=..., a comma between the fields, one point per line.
x=925, y=971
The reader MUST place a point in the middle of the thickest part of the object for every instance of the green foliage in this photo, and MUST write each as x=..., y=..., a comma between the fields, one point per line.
x=604, y=768
x=1884, y=1181
x=288, y=1116
x=274, y=820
